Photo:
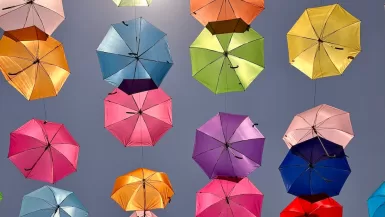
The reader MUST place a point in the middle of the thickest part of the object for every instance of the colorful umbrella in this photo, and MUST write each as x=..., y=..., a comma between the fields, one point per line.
x=376, y=202
x=302, y=208
x=229, y=198
x=142, y=189
x=44, y=14
x=140, y=119
x=227, y=62
x=228, y=26
x=324, y=41
x=43, y=151
x=206, y=11
x=37, y=69
x=121, y=3
x=143, y=214
x=52, y=202
x=1, y=196
x=27, y=34
x=228, y=145
x=322, y=121
x=134, y=56
x=306, y=170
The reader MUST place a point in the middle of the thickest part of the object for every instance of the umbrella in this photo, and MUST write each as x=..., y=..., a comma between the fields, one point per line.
x=121, y=3
x=228, y=145
x=142, y=189
x=134, y=56
x=27, y=34
x=43, y=151
x=140, y=119
x=143, y=214
x=228, y=26
x=1, y=196
x=44, y=14
x=227, y=62
x=323, y=208
x=376, y=202
x=324, y=41
x=52, y=202
x=206, y=11
x=307, y=170
x=322, y=121
x=37, y=69
x=229, y=198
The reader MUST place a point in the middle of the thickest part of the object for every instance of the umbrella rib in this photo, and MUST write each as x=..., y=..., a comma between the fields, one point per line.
x=243, y=206
x=63, y=156
x=236, y=131
x=39, y=198
x=233, y=11
x=116, y=103
x=42, y=67
x=195, y=156
x=316, y=44
x=256, y=39
x=22, y=5
x=235, y=72
x=219, y=76
x=293, y=165
x=124, y=120
x=207, y=49
x=334, y=168
x=323, y=128
x=26, y=150
x=208, y=65
x=115, y=54
x=316, y=115
x=326, y=21
x=53, y=209
x=210, y=136
x=38, y=15
x=252, y=4
x=26, y=17
x=51, y=51
x=41, y=62
x=298, y=36
x=220, y=9
x=164, y=36
x=158, y=192
x=145, y=125
x=216, y=163
x=169, y=99
x=194, y=12
x=330, y=59
x=311, y=24
x=49, y=9
x=158, y=119
x=22, y=58
x=303, y=172
x=342, y=45
x=242, y=154
x=231, y=162
x=123, y=39
x=53, y=174
x=154, y=61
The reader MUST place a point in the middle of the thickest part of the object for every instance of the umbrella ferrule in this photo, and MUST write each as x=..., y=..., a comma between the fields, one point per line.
x=227, y=200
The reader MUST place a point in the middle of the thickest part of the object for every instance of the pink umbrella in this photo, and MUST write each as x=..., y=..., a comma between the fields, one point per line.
x=229, y=198
x=44, y=14
x=43, y=151
x=322, y=121
x=141, y=214
x=139, y=119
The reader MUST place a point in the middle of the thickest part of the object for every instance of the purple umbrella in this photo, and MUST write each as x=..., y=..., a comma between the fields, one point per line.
x=228, y=145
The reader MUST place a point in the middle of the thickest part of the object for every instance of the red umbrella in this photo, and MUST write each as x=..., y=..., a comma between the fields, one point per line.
x=323, y=208
x=139, y=119
x=43, y=151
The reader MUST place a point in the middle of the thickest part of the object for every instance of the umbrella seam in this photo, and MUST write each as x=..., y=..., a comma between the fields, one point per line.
x=38, y=15
x=311, y=24
x=341, y=28
x=145, y=125
x=238, y=128
x=211, y=136
x=37, y=211
x=245, y=156
x=25, y=151
x=122, y=120
x=14, y=9
x=40, y=199
x=53, y=86
x=258, y=207
x=231, y=163
x=327, y=20
x=26, y=17
x=316, y=44
x=43, y=62
x=61, y=126
x=220, y=9
x=156, y=106
x=253, y=4
x=49, y=10
x=195, y=156
x=254, y=40
x=216, y=88
x=212, y=172
x=60, y=45
x=164, y=36
x=122, y=38
x=327, y=54
x=156, y=61
x=202, y=48
x=194, y=12
x=64, y=157
x=208, y=65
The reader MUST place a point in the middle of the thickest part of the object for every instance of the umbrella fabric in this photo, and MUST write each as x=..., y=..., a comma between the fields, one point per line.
x=1, y=196
x=229, y=198
x=323, y=208
x=140, y=119
x=323, y=121
x=307, y=170
x=227, y=62
x=141, y=214
x=324, y=41
x=142, y=189
x=27, y=34
x=228, y=26
x=37, y=69
x=46, y=15
x=376, y=202
x=43, y=151
x=228, y=145
x=52, y=202
x=134, y=56
x=206, y=11
x=121, y=3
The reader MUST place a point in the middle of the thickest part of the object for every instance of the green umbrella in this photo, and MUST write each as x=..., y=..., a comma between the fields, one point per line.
x=1, y=196
x=227, y=62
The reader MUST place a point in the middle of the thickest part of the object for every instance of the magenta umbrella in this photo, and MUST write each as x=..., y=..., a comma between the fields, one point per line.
x=228, y=145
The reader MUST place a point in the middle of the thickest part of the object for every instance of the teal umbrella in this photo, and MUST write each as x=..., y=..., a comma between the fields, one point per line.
x=376, y=202
x=52, y=202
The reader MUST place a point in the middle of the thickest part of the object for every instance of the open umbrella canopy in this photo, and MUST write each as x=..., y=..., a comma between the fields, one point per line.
x=43, y=151
x=227, y=62
x=142, y=189
x=134, y=56
x=307, y=170
x=324, y=41
x=46, y=15
x=139, y=119
x=143, y=214
x=228, y=145
x=230, y=198
x=27, y=34
x=322, y=121
x=37, y=69
x=206, y=11
x=52, y=202
x=122, y=3
x=324, y=208
x=376, y=202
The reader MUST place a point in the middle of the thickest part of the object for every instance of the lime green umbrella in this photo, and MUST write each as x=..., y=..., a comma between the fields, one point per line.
x=227, y=62
x=1, y=196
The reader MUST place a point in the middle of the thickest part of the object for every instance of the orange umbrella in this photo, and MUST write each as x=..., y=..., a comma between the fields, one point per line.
x=142, y=189
x=206, y=11
x=37, y=68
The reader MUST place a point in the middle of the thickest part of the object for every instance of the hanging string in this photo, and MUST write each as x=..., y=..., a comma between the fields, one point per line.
x=315, y=92
x=45, y=110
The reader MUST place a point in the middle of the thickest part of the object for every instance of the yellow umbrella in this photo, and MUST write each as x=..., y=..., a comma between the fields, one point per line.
x=36, y=68
x=142, y=189
x=324, y=41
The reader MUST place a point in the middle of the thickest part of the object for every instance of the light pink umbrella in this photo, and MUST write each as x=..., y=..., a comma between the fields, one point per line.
x=322, y=121
x=43, y=151
x=44, y=14
x=229, y=198
x=141, y=214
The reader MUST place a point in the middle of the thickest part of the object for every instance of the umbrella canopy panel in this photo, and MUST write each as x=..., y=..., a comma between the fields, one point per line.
x=324, y=208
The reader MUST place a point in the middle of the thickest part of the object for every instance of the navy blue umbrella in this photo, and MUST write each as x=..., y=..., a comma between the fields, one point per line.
x=308, y=170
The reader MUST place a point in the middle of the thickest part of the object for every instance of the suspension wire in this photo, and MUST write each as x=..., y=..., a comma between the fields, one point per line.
x=45, y=110
x=315, y=92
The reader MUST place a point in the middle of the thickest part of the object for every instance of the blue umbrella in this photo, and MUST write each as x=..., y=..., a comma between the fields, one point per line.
x=52, y=202
x=376, y=202
x=307, y=170
x=134, y=56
